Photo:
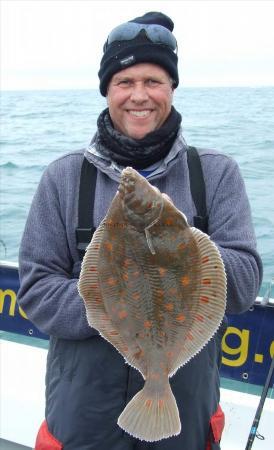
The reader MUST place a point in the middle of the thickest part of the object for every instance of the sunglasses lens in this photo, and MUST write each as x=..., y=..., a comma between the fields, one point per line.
x=159, y=34
x=124, y=32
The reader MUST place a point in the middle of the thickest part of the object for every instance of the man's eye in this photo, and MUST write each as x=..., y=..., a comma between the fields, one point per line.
x=124, y=83
x=152, y=82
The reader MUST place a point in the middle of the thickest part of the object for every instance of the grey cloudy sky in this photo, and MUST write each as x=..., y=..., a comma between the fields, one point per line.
x=55, y=44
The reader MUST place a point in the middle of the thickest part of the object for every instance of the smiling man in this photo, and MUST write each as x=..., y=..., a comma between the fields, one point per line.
x=88, y=383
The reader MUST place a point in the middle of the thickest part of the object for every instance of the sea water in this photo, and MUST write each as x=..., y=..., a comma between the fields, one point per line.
x=39, y=126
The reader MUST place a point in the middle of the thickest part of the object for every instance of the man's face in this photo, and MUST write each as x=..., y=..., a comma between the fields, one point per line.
x=139, y=99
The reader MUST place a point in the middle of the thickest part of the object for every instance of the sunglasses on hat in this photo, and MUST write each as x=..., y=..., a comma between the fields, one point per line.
x=155, y=33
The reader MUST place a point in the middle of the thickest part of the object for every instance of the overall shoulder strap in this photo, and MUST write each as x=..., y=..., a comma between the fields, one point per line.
x=85, y=228
x=197, y=187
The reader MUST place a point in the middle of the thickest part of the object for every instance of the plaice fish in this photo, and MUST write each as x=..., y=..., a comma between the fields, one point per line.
x=155, y=288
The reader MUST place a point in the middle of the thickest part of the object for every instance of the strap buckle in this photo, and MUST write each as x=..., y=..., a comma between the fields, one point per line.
x=83, y=237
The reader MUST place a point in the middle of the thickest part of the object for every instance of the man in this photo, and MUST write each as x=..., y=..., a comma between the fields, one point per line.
x=88, y=383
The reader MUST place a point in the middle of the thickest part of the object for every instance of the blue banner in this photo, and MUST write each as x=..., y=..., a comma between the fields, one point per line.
x=12, y=318
x=248, y=344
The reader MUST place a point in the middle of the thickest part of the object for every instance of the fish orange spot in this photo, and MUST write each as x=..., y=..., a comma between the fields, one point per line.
x=205, y=259
x=125, y=276
x=169, y=221
x=185, y=280
x=111, y=281
x=122, y=314
x=161, y=403
x=139, y=354
x=204, y=299
x=181, y=317
x=199, y=317
x=162, y=271
x=206, y=281
x=108, y=246
x=169, y=354
x=169, y=306
x=92, y=269
x=147, y=324
x=136, y=296
x=181, y=246
x=189, y=336
x=160, y=292
x=148, y=403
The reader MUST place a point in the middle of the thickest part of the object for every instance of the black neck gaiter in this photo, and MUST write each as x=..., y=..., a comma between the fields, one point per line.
x=137, y=153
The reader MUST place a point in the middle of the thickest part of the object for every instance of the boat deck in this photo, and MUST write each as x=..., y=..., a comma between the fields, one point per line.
x=7, y=445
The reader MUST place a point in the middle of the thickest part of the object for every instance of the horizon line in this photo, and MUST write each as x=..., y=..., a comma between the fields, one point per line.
x=249, y=86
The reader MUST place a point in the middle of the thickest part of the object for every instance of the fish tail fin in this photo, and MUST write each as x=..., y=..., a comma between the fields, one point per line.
x=151, y=416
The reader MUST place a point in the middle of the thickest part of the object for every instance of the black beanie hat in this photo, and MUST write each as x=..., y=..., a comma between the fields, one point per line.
x=121, y=54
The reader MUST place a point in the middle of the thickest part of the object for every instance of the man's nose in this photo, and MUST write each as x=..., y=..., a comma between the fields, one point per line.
x=139, y=93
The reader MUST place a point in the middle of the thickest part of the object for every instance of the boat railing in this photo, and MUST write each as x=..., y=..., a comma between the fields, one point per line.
x=247, y=345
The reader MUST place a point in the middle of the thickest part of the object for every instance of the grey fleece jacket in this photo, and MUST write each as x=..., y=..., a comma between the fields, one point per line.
x=49, y=263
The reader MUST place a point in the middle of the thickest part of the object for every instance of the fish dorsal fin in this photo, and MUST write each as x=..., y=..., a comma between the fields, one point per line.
x=97, y=315
x=209, y=300
x=89, y=290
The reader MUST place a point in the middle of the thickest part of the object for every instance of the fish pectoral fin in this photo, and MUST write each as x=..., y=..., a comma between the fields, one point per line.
x=149, y=241
x=151, y=415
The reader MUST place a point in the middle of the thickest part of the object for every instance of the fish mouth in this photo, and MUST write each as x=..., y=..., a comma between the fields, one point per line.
x=141, y=201
x=127, y=182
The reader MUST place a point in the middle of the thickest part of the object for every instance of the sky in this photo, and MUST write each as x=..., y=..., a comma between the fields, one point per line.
x=57, y=44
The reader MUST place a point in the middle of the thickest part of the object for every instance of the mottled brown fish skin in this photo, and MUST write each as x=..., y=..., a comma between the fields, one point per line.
x=141, y=202
x=162, y=288
x=143, y=291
